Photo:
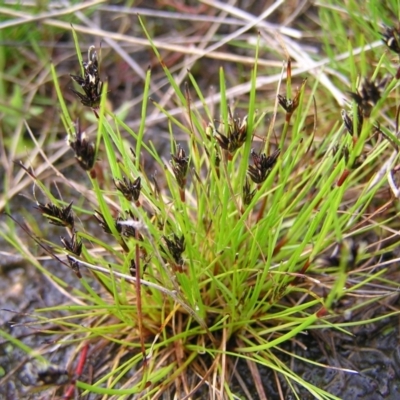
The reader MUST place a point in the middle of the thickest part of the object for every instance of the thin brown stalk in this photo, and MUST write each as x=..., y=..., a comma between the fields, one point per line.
x=278, y=385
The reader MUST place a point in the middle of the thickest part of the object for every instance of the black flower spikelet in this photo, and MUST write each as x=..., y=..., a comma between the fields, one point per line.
x=391, y=37
x=90, y=81
x=130, y=189
x=85, y=151
x=179, y=164
x=73, y=245
x=348, y=121
x=120, y=224
x=369, y=94
x=290, y=105
x=125, y=228
x=235, y=134
x=176, y=246
x=263, y=165
x=60, y=216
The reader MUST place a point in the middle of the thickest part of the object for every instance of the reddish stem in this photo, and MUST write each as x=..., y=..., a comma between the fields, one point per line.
x=279, y=245
x=322, y=312
x=305, y=267
x=78, y=372
x=82, y=360
x=182, y=195
x=343, y=177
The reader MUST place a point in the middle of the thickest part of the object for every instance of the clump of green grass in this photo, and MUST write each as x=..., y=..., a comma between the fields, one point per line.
x=225, y=256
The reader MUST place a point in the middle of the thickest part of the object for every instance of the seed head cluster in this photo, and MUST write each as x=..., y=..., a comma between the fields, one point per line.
x=235, y=134
x=90, y=81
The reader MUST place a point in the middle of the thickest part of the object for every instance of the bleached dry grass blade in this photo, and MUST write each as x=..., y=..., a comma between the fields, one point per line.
x=295, y=51
x=245, y=16
x=159, y=44
x=22, y=18
x=114, y=45
x=188, y=63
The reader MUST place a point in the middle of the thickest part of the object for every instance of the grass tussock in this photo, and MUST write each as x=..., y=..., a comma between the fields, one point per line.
x=259, y=224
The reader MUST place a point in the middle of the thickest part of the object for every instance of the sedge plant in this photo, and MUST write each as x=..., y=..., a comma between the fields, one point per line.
x=225, y=255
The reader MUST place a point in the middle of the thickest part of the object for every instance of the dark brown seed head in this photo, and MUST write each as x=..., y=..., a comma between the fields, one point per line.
x=61, y=216
x=290, y=105
x=348, y=122
x=368, y=94
x=85, y=151
x=287, y=104
x=130, y=190
x=90, y=82
x=235, y=134
x=179, y=165
x=263, y=164
x=126, y=230
x=73, y=245
x=390, y=37
x=176, y=246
